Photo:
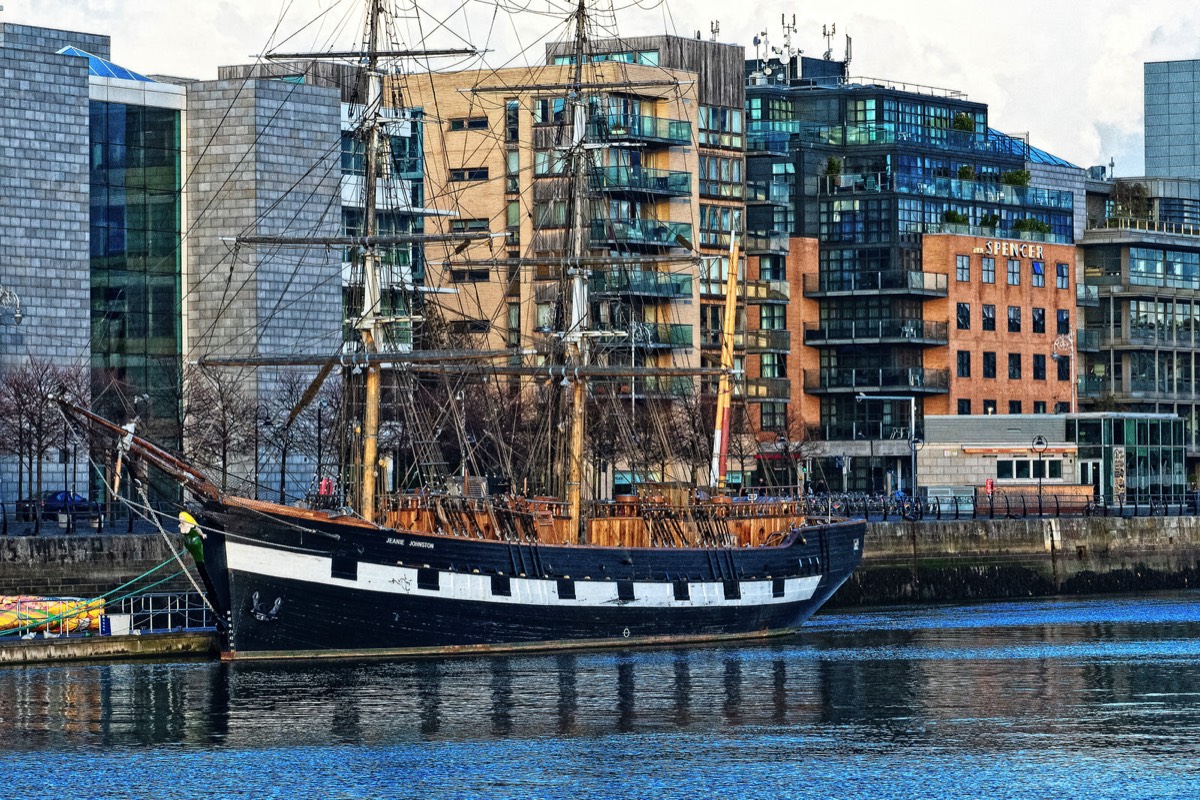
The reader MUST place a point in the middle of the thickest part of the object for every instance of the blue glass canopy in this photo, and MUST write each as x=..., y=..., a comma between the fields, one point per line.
x=104, y=69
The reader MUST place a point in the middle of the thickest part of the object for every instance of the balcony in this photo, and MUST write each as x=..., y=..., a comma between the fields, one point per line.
x=910, y=380
x=770, y=193
x=759, y=292
x=763, y=390
x=640, y=233
x=1087, y=296
x=667, y=285
x=647, y=335
x=641, y=181
x=780, y=136
x=1146, y=339
x=897, y=282
x=1137, y=390
x=861, y=431
x=992, y=192
x=770, y=243
x=983, y=232
x=767, y=341
x=877, y=331
x=1087, y=341
x=641, y=129
x=649, y=387
x=854, y=183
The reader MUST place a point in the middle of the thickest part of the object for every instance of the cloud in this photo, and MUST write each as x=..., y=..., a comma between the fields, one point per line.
x=1068, y=73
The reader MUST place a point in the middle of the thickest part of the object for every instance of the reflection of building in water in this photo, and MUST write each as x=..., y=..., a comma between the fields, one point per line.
x=932, y=684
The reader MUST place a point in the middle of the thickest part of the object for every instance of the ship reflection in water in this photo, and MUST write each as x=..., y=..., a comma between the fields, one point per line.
x=1046, y=698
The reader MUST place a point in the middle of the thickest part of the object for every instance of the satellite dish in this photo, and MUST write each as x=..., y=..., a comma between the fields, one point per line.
x=767, y=71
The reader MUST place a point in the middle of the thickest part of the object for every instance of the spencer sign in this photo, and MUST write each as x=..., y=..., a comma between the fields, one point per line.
x=1019, y=249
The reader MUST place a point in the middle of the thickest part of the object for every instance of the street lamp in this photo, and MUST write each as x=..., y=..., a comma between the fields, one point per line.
x=914, y=442
x=1039, y=447
x=1064, y=347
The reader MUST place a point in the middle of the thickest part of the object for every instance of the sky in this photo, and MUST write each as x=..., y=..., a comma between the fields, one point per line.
x=1067, y=73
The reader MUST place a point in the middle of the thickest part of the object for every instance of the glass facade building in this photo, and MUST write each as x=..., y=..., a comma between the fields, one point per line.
x=135, y=194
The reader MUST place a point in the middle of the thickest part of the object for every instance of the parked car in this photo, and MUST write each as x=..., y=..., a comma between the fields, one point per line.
x=53, y=503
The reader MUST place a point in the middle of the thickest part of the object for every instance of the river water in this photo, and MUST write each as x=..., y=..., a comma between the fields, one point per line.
x=1095, y=698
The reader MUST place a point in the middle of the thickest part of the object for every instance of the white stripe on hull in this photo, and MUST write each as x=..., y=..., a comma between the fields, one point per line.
x=250, y=559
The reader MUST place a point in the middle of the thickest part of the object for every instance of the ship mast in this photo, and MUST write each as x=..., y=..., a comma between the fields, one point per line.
x=576, y=334
x=722, y=427
x=369, y=326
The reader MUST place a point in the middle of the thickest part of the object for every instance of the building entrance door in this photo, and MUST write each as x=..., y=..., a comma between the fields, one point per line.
x=1090, y=473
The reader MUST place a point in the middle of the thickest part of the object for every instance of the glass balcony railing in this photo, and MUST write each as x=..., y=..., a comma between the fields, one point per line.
x=764, y=389
x=771, y=242
x=647, y=334
x=767, y=341
x=645, y=284
x=1087, y=295
x=642, y=180
x=985, y=232
x=984, y=192
x=1087, y=341
x=915, y=331
x=892, y=281
x=917, y=380
x=632, y=127
x=768, y=192
x=648, y=387
x=641, y=232
x=766, y=291
x=782, y=135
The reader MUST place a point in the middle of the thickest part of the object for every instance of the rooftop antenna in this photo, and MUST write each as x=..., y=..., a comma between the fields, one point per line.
x=829, y=32
x=849, y=54
x=714, y=28
x=761, y=47
x=1112, y=168
x=788, y=52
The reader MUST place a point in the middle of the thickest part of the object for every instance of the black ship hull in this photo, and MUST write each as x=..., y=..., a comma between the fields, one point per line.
x=328, y=589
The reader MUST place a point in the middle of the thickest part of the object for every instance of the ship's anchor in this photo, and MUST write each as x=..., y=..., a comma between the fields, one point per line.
x=260, y=614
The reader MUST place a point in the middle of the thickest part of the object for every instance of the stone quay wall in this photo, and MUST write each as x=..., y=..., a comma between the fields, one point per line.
x=987, y=559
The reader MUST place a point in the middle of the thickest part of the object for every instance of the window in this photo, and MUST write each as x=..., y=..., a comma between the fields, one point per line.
x=1014, y=366
x=989, y=365
x=989, y=406
x=469, y=174
x=1064, y=368
x=468, y=225
x=989, y=317
x=964, y=406
x=1039, y=373
x=469, y=124
x=549, y=109
x=1061, y=280
x=964, y=363
x=774, y=416
x=512, y=171
x=1014, y=319
x=1039, y=320
x=512, y=216
x=964, y=316
x=772, y=268
x=772, y=317
x=1039, y=274
x=512, y=120
x=1014, y=406
x=962, y=268
x=1064, y=321
x=1014, y=272
x=1039, y=406
x=1062, y=408
x=989, y=270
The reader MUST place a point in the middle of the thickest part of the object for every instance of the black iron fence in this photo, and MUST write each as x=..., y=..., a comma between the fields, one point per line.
x=884, y=508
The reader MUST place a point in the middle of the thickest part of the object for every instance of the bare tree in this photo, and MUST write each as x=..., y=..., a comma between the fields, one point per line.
x=31, y=424
x=219, y=421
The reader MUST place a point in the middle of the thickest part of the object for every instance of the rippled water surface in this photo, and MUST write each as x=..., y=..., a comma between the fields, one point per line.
x=1043, y=699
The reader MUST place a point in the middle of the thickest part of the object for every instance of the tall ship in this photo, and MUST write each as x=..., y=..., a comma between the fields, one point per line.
x=503, y=528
